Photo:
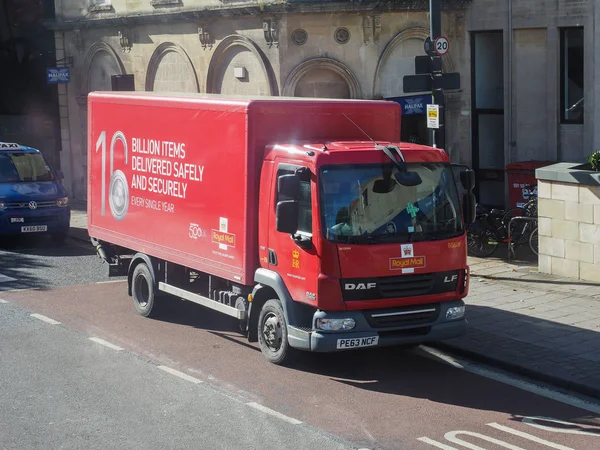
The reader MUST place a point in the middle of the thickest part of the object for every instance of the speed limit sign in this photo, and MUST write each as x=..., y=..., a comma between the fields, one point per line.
x=441, y=45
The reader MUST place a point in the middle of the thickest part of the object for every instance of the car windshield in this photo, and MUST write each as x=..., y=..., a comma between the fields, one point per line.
x=24, y=167
x=353, y=212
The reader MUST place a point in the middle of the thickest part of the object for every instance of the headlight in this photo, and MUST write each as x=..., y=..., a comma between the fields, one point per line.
x=456, y=312
x=335, y=324
x=62, y=202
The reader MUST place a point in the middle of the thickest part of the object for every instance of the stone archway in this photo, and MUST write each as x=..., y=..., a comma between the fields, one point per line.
x=171, y=70
x=322, y=78
x=397, y=60
x=254, y=76
x=100, y=63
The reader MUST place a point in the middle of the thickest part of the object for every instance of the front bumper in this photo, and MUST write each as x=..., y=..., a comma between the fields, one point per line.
x=417, y=333
x=57, y=220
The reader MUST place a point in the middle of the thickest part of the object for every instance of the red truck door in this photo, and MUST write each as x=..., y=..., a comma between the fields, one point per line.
x=294, y=258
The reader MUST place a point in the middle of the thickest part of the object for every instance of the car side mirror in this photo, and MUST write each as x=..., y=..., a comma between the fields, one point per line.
x=286, y=216
x=59, y=174
x=469, y=206
x=288, y=186
x=467, y=179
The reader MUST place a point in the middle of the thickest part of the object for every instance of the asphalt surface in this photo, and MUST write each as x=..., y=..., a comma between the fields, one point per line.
x=40, y=264
x=60, y=387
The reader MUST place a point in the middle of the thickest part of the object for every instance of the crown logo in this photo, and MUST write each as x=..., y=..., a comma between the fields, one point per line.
x=295, y=254
x=407, y=251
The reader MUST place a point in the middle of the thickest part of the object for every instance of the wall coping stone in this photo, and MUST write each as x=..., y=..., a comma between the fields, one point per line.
x=565, y=172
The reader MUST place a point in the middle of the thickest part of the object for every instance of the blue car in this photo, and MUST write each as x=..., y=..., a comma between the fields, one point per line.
x=32, y=197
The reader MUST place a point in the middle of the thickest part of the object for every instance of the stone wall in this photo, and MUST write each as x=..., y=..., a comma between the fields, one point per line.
x=569, y=222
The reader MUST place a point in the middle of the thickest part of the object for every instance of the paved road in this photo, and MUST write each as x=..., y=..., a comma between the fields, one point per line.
x=58, y=389
x=37, y=263
x=384, y=399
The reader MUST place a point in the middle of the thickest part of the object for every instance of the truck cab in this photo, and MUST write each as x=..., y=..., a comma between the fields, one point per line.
x=367, y=243
x=32, y=197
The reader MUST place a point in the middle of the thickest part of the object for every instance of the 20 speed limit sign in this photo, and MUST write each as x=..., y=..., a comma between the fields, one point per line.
x=441, y=45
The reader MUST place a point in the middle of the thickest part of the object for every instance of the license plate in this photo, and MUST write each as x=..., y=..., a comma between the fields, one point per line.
x=34, y=229
x=370, y=341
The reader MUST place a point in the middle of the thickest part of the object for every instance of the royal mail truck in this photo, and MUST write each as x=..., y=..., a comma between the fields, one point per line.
x=306, y=220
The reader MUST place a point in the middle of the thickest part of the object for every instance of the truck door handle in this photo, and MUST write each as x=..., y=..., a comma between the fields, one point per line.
x=272, y=257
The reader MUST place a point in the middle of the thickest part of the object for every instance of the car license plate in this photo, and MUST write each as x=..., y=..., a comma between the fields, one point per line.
x=370, y=341
x=34, y=229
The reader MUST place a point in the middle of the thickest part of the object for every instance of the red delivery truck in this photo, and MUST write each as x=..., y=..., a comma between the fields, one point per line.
x=305, y=219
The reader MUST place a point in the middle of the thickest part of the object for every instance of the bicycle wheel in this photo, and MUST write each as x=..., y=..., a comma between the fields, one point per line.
x=533, y=241
x=481, y=243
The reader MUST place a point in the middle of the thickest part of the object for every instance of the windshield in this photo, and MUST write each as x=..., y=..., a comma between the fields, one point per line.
x=23, y=167
x=353, y=213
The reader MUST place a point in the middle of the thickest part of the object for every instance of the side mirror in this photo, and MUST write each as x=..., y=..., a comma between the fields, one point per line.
x=467, y=179
x=288, y=186
x=59, y=174
x=286, y=216
x=469, y=205
x=409, y=179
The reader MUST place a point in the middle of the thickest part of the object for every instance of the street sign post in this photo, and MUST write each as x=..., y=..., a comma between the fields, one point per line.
x=433, y=116
x=429, y=76
x=441, y=45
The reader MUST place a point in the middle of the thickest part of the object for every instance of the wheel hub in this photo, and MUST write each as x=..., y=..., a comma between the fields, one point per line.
x=272, y=332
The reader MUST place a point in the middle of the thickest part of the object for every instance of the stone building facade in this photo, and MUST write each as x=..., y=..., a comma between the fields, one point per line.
x=515, y=86
x=293, y=48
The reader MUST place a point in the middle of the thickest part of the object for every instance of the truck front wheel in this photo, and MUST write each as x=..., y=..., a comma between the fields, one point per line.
x=272, y=332
x=143, y=290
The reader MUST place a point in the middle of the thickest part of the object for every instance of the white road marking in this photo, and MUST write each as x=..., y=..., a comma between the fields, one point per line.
x=3, y=301
x=531, y=437
x=435, y=443
x=6, y=278
x=273, y=413
x=45, y=319
x=183, y=376
x=105, y=343
x=515, y=382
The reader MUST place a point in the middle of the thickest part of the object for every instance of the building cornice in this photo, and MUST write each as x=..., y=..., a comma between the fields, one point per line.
x=108, y=20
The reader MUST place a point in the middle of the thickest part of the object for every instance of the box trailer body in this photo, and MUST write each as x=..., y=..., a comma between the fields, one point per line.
x=193, y=187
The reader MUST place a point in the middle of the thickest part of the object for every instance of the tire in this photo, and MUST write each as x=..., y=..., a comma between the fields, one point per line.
x=143, y=291
x=479, y=244
x=272, y=333
x=533, y=241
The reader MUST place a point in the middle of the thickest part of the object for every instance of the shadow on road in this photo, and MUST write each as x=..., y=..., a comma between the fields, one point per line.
x=22, y=269
x=44, y=246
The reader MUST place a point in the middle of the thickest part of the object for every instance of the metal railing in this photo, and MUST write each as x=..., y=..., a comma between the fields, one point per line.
x=510, y=243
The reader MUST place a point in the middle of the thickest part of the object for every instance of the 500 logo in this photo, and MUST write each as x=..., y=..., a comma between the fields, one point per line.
x=118, y=190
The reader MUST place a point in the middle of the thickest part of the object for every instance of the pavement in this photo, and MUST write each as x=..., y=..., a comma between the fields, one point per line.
x=541, y=326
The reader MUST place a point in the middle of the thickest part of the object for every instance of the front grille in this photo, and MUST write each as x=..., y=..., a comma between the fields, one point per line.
x=403, y=317
x=25, y=205
x=402, y=286
x=406, y=286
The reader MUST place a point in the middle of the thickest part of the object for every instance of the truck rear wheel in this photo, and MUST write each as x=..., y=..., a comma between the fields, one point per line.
x=272, y=333
x=143, y=291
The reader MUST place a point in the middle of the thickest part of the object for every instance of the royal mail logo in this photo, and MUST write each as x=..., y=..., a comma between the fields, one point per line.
x=407, y=250
x=295, y=254
x=416, y=262
x=221, y=238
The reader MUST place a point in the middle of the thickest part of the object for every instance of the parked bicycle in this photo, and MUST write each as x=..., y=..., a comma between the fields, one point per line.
x=490, y=228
